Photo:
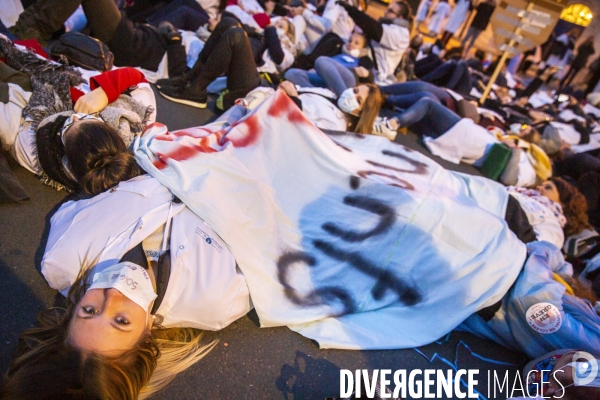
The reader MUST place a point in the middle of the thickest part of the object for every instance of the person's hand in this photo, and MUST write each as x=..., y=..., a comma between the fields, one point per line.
x=362, y=72
x=289, y=88
x=92, y=102
x=509, y=142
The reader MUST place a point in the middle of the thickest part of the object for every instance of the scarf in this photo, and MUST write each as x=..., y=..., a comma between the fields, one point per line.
x=51, y=82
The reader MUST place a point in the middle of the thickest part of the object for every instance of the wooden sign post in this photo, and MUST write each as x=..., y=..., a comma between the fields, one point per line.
x=524, y=24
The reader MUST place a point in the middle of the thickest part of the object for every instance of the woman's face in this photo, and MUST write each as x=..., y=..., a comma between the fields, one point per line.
x=560, y=377
x=356, y=41
x=282, y=24
x=107, y=322
x=361, y=92
x=549, y=190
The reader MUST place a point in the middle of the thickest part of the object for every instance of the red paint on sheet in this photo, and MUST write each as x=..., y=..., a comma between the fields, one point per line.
x=284, y=105
x=252, y=124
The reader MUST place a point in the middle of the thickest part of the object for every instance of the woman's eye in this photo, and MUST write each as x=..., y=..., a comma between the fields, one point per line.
x=89, y=310
x=122, y=321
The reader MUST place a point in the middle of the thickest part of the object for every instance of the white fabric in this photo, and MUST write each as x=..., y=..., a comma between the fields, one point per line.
x=458, y=16
x=526, y=176
x=544, y=222
x=569, y=115
x=590, y=109
x=465, y=141
x=322, y=112
x=314, y=28
x=10, y=115
x=11, y=9
x=389, y=51
x=540, y=98
x=205, y=289
x=283, y=195
x=422, y=10
x=440, y=11
x=341, y=23
x=593, y=144
x=567, y=133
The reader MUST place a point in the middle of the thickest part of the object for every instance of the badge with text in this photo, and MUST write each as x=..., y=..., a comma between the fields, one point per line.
x=209, y=240
x=544, y=318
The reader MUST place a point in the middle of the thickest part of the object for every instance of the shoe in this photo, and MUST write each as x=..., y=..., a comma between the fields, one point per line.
x=187, y=95
x=381, y=127
x=180, y=80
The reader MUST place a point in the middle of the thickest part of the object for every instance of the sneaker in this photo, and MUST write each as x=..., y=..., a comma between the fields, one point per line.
x=180, y=80
x=381, y=127
x=187, y=95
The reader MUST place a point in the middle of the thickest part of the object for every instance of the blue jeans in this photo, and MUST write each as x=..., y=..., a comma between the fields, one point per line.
x=452, y=75
x=404, y=95
x=428, y=117
x=327, y=73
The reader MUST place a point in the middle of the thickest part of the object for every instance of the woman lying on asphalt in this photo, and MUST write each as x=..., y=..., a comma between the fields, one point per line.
x=260, y=207
x=49, y=124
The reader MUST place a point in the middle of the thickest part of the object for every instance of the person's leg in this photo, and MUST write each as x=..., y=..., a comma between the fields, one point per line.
x=185, y=18
x=414, y=87
x=427, y=64
x=337, y=78
x=304, y=78
x=42, y=19
x=442, y=74
x=103, y=18
x=460, y=81
x=329, y=45
x=404, y=101
x=439, y=118
x=233, y=56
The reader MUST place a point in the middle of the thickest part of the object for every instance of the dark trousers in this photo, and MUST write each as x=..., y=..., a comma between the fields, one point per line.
x=427, y=64
x=569, y=76
x=329, y=46
x=452, y=75
x=182, y=14
x=227, y=52
x=132, y=44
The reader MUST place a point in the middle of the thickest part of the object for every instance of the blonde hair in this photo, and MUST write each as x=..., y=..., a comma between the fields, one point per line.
x=370, y=110
x=44, y=356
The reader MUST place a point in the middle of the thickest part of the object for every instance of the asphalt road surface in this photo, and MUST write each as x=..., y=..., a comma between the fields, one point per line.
x=249, y=362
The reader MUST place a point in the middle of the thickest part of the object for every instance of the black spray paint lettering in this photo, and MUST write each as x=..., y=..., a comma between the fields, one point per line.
x=316, y=297
x=386, y=214
x=385, y=279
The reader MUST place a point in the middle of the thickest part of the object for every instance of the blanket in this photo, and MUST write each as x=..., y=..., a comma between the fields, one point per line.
x=355, y=242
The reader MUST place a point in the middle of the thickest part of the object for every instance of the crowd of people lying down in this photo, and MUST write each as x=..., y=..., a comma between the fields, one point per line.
x=312, y=97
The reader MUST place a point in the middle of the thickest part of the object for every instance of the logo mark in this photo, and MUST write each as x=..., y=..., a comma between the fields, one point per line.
x=584, y=372
x=544, y=318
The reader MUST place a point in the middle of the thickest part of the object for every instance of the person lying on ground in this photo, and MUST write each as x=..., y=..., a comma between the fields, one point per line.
x=47, y=141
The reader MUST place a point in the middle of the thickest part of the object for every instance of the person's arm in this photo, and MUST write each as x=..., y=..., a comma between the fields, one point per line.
x=117, y=81
x=316, y=22
x=370, y=27
x=274, y=45
x=290, y=89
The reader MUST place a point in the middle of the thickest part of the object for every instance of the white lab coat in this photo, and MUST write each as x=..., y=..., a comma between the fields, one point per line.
x=438, y=15
x=389, y=51
x=458, y=16
x=206, y=290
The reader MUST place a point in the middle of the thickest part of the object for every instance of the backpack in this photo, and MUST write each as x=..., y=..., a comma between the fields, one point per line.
x=74, y=48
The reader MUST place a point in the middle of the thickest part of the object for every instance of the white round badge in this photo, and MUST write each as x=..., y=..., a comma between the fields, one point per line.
x=544, y=318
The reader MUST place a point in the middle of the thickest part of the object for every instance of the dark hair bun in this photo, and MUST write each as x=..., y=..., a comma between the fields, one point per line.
x=107, y=170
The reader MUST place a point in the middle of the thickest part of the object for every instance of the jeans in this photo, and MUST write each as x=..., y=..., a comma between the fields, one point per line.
x=404, y=95
x=452, y=75
x=327, y=73
x=428, y=117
